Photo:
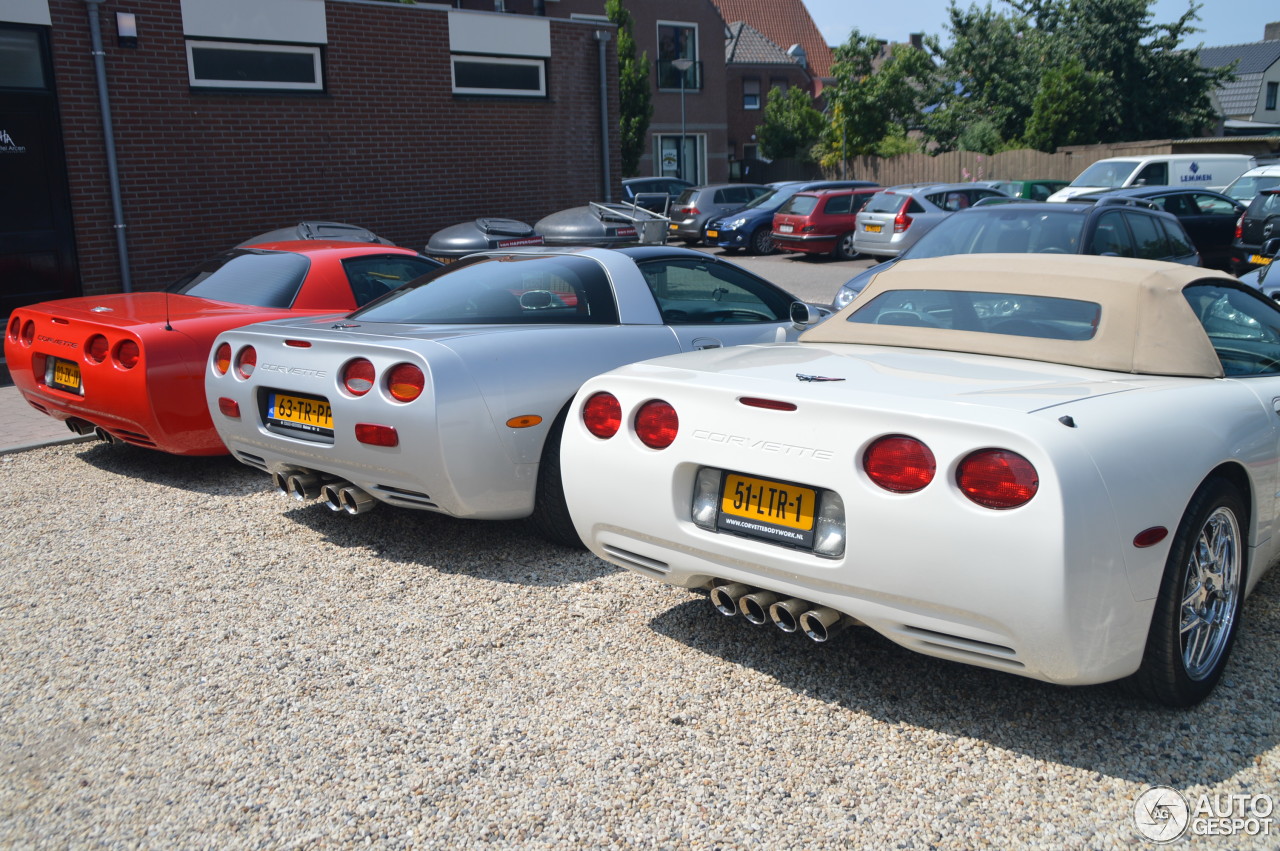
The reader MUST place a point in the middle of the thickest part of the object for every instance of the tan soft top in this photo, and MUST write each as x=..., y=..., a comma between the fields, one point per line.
x=1146, y=325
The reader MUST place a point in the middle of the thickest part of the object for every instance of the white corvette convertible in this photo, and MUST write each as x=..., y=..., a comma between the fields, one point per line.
x=1066, y=471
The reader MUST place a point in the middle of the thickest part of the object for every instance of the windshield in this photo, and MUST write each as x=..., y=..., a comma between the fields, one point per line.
x=247, y=276
x=1107, y=174
x=506, y=290
x=1008, y=231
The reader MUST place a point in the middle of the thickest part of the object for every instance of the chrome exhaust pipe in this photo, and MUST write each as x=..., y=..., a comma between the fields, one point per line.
x=302, y=486
x=786, y=614
x=281, y=483
x=80, y=427
x=725, y=597
x=355, y=501
x=822, y=623
x=332, y=499
x=104, y=435
x=755, y=606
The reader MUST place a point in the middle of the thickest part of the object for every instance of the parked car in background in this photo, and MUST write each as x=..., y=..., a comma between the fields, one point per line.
x=752, y=226
x=1032, y=190
x=1264, y=277
x=896, y=217
x=1037, y=469
x=1208, y=217
x=127, y=367
x=643, y=192
x=1253, y=181
x=821, y=222
x=1040, y=228
x=449, y=394
x=1260, y=222
x=1208, y=171
x=698, y=204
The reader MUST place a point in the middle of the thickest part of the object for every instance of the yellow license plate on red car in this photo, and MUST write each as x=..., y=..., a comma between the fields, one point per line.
x=764, y=508
x=872, y=228
x=302, y=412
x=65, y=375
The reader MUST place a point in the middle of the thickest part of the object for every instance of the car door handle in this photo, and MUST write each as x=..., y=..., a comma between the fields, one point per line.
x=706, y=343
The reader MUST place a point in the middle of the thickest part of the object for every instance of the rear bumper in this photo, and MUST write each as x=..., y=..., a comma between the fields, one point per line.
x=815, y=243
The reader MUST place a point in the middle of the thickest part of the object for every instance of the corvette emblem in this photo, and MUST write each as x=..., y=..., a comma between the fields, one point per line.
x=803, y=377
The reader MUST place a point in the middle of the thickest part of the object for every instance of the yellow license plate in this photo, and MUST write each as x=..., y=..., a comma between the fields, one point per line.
x=672, y=227
x=763, y=508
x=66, y=375
x=304, y=412
x=872, y=228
x=713, y=234
x=1259, y=259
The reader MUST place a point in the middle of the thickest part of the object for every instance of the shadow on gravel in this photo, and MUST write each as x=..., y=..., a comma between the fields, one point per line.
x=498, y=550
x=219, y=475
x=1095, y=728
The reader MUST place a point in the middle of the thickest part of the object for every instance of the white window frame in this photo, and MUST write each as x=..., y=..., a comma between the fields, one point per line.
x=697, y=35
x=697, y=174
x=312, y=50
x=540, y=64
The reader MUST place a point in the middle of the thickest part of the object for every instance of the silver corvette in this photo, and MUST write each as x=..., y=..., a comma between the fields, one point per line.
x=449, y=394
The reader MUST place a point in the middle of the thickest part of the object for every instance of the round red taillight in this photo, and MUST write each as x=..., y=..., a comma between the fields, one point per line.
x=246, y=360
x=127, y=354
x=657, y=424
x=602, y=415
x=15, y=324
x=95, y=350
x=357, y=377
x=997, y=478
x=222, y=358
x=899, y=463
x=405, y=382
x=28, y=335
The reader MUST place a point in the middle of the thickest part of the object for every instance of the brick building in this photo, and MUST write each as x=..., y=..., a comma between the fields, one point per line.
x=234, y=117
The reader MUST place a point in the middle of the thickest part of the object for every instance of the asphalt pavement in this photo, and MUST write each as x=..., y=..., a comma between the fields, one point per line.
x=23, y=427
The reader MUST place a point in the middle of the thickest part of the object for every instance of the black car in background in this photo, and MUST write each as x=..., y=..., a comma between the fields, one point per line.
x=1209, y=217
x=1260, y=222
x=644, y=191
x=1109, y=227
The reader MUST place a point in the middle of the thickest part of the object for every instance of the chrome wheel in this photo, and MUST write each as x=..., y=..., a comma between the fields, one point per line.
x=1209, y=592
x=762, y=241
x=844, y=248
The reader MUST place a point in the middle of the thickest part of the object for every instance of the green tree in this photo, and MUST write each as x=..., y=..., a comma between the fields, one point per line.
x=634, y=96
x=866, y=104
x=1029, y=73
x=791, y=125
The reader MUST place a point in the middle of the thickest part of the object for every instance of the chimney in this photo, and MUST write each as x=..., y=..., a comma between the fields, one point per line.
x=1271, y=32
x=917, y=41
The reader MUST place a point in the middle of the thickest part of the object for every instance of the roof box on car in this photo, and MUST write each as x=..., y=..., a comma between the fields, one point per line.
x=318, y=230
x=480, y=235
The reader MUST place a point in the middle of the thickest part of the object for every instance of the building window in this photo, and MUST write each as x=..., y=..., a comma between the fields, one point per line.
x=244, y=65
x=779, y=83
x=751, y=152
x=678, y=46
x=499, y=75
x=750, y=94
x=686, y=161
x=1271, y=94
x=21, y=62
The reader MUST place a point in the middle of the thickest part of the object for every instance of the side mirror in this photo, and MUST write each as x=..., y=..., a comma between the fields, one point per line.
x=803, y=315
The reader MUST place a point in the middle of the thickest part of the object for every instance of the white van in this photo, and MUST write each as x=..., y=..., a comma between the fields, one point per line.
x=1204, y=171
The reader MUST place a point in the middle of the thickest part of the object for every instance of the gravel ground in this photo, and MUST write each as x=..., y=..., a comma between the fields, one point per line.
x=189, y=660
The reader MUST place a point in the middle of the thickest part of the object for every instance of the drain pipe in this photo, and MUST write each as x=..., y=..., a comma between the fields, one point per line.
x=113, y=174
x=602, y=40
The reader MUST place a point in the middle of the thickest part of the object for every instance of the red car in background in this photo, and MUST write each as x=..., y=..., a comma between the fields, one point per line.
x=820, y=222
x=130, y=367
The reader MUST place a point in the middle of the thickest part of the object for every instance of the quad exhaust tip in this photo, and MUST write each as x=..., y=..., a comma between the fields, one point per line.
x=342, y=496
x=819, y=623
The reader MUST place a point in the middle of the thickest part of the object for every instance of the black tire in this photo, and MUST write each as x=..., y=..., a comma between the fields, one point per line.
x=762, y=241
x=1204, y=580
x=550, y=518
x=844, y=249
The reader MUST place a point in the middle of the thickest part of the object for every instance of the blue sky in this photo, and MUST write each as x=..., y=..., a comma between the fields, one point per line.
x=1222, y=21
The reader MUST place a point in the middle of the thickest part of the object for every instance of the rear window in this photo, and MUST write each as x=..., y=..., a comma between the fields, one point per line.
x=247, y=276
x=509, y=290
x=1009, y=231
x=799, y=205
x=686, y=198
x=1266, y=204
x=884, y=202
x=1040, y=317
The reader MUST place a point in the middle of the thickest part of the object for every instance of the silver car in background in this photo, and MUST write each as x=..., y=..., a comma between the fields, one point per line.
x=896, y=217
x=448, y=394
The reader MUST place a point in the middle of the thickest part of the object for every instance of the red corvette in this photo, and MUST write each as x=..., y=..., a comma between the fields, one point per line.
x=131, y=367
